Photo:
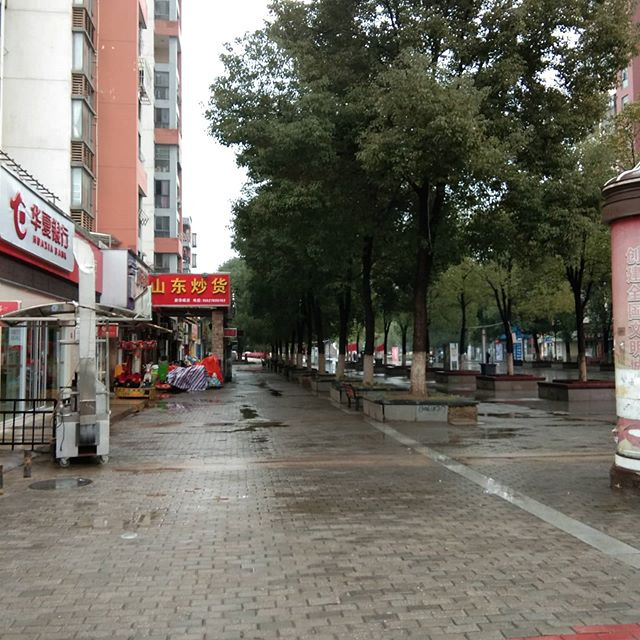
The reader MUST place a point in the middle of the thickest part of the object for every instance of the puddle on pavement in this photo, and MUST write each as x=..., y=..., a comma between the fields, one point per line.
x=148, y=470
x=60, y=483
x=513, y=414
x=266, y=424
x=496, y=434
x=248, y=413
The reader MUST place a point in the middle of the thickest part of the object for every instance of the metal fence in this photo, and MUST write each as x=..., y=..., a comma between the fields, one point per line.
x=27, y=422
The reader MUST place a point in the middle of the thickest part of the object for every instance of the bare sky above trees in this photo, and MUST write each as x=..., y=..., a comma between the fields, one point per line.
x=210, y=179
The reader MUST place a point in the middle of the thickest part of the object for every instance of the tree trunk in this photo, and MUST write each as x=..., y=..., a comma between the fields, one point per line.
x=387, y=328
x=536, y=345
x=309, y=330
x=300, y=350
x=369, y=317
x=404, y=328
x=462, y=349
x=322, y=358
x=429, y=209
x=581, y=294
x=503, y=302
x=344, y=308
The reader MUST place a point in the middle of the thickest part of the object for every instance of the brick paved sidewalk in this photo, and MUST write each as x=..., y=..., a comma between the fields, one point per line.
x=597, y=632
x=262, y=511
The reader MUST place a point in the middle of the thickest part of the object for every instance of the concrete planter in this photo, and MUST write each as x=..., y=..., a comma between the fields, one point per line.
x=453, y=410
x=295, y=373
x=337, y=393
x=509, y=385
x=541, y=364
x=321, y=382
x=599, y=394
x=457, y=380
x=393, y=370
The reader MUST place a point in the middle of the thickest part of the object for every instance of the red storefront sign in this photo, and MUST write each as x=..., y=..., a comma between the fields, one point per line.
x=6, y=306
x=230, y=332
x=191, y=290
x=30, y=224
x=107, y=331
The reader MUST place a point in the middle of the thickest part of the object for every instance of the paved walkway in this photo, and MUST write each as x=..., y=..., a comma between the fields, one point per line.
x=263, y=511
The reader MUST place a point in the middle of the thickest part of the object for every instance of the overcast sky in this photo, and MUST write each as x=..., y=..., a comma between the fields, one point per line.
x=210, y=179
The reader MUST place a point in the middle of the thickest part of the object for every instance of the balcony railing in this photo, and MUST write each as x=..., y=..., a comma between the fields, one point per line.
x=145, y=81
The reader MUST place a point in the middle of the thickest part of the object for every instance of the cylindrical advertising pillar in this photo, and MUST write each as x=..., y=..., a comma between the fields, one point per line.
x=622, y=212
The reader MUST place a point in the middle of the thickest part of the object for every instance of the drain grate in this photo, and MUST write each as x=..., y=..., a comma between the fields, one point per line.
x=60, y=483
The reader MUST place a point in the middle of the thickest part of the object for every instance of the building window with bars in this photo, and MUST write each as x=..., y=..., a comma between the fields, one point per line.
x=162, y=227
x=162, y=194
x=162, y=10
x=162, y=262
x=81, y=190
x=161, y=118
x=161, y=91
x=163, y=158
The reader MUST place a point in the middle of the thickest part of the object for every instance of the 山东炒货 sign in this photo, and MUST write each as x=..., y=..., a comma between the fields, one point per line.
x=191, y=290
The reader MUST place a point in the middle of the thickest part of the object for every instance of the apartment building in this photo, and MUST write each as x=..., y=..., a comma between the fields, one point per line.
x=168, y=133
x=628, y=89
x=93, y=112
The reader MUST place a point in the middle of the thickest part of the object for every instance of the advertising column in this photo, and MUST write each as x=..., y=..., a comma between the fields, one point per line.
x=622, y=212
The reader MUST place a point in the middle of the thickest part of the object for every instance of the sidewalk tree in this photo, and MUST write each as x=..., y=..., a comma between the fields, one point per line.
x=436, y=99
x=546, y=295
x=462, y=290
x=474, y=88
x=576, y=232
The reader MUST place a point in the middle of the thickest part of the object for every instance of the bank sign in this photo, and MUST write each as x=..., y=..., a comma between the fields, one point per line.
x=191, y=290
x=28, y=223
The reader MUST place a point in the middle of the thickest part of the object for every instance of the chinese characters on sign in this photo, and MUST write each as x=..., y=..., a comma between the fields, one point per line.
x=30, y=224
x=633, y=305
x=191, y=290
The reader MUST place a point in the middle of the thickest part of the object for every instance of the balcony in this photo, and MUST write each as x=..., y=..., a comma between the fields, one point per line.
x=145, y=81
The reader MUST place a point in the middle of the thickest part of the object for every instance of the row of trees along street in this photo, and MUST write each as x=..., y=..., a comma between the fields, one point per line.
x=399, y=152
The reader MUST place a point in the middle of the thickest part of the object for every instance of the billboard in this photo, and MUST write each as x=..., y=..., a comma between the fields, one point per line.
x=191, y=290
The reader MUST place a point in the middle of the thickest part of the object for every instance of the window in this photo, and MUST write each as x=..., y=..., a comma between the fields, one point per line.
x=624, y=78
x=162, y=191
x=194, y=262
x=161, y=118
x=194, y=240
x=161, y=90
x=81, y=122
x=162, y=227
x=162, y=262
x=81, y=189
x=163, y=158
x=78, y=51
x=162, y=10
x=625, y=101
x=82, y=55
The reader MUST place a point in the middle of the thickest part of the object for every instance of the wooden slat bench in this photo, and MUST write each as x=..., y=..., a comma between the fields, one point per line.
x=352, y=396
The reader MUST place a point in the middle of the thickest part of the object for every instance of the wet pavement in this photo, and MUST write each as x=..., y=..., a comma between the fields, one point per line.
x=261, y=510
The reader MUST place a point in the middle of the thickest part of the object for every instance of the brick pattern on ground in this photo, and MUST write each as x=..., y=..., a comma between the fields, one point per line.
x=596, y=632
x=261, y=511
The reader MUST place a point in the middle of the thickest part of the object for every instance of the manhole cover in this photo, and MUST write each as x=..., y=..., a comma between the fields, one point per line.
x=60, y=483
